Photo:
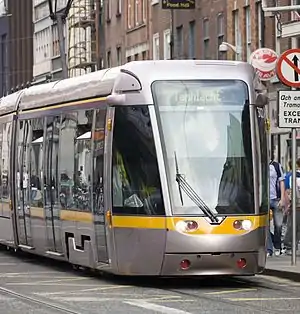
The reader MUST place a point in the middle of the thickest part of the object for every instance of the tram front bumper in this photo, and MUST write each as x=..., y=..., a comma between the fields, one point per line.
x=248, y=263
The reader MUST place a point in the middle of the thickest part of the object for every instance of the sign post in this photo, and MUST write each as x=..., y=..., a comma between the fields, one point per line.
x=288, y=72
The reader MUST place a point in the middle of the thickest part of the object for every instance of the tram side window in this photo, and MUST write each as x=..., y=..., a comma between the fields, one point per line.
x=2, y=213
x=98, y=137
x=50, y=173
x=5, y=177
x=136, y=188
x=67, y=153
x=82, y=190
x=36, y=163
x=264, y=162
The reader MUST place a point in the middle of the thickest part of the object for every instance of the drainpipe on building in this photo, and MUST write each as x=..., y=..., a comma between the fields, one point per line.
x=172, y=40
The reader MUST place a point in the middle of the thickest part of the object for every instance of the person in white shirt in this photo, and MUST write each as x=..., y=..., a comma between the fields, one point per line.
x=277, y=201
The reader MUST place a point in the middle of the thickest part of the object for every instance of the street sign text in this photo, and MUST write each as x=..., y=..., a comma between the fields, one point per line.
x=178, y=4
x=289, y=109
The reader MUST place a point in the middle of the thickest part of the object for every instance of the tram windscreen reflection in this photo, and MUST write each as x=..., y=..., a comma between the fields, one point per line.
x=205, y=127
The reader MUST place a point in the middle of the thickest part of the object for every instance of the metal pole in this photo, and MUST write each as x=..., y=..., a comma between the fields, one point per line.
x=62, y=50
x=294, y=187
x=172, y=34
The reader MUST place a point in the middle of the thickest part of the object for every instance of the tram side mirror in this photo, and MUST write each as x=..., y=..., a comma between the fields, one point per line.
x=261, y=100
x=127, y=82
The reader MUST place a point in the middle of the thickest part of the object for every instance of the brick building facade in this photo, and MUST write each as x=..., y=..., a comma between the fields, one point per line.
x=247, y=30
x=16, y=51
x=141, y=30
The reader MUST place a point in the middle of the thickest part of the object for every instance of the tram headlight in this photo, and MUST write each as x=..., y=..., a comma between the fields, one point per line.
x=187, y=226
x=242, y=224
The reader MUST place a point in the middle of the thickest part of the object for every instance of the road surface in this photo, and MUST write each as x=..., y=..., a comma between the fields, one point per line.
x=34, y=285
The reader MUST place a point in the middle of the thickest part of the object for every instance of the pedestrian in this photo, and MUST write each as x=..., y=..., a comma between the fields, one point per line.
x=277, y=202
x=289, y=230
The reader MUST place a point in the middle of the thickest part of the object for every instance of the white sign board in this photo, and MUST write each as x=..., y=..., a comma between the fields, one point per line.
x=289, y=109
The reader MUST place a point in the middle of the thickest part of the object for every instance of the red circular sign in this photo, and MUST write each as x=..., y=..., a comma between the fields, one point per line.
x=264, y=61
x=288, y=68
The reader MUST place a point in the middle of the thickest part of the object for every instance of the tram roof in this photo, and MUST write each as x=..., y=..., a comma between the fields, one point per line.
x=102, y=83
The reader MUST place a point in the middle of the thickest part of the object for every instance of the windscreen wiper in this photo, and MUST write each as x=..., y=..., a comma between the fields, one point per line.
x=191, y=193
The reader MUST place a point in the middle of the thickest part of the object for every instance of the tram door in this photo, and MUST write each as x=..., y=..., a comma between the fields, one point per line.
x=23, y=188
x=52, y=185
x=98, y=185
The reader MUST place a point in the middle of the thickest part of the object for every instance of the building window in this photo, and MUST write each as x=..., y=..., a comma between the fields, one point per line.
x=206, y=53
x=41, y=11
x=144, y=55
x=129, y=59
x=136, y=57
x=179, y=41
x=4, y=65
x=167, y=42
x=248, y=31
x=55, y=41
x=237, y=34
x=156, y=46
x=130, y=16
x=192, y=40
x=119, y=56
x=108, y=59
x=259, y=26
x=220, y=33
x=119, y=7
x=108, y=10
x=136, y=13
x=144, y=3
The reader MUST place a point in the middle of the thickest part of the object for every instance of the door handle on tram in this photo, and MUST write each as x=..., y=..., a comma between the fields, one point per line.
x=109, y=218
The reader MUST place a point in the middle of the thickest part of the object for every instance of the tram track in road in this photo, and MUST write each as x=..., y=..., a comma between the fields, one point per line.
x=233, y=286
x=37, y=301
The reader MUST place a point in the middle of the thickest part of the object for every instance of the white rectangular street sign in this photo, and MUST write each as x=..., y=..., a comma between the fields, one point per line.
x=289, y=109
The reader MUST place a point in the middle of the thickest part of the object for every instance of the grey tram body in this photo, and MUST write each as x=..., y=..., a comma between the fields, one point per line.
x=97, y=239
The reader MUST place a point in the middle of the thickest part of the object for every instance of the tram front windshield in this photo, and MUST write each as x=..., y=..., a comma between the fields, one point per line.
x=205, y=129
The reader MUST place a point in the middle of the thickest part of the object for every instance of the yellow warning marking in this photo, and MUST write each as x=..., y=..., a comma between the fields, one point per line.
x=49, y=281
x=66, y=284
x=262, y=299
x=97, y=288
x=171, y=300
x=230, y=291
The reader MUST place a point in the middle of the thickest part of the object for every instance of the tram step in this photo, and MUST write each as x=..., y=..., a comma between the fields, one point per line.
x=26, y=247
x=55, y=253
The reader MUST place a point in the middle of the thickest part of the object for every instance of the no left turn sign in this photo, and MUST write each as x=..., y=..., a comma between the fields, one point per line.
x=288, y=68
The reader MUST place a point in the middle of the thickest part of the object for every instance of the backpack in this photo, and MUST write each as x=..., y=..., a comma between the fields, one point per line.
x=277, y=167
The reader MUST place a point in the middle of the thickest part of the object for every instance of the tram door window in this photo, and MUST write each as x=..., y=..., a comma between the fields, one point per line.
x=5, y=170
x=66, y=157
x=36, y=164
x=136, y=188
x=98, y=194
x=51, y=183
x=23, y=188
x=263, y=164
x=83, y=162
x=2, y=211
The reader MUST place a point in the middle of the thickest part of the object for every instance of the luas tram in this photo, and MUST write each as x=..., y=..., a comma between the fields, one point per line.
x=152, y=168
